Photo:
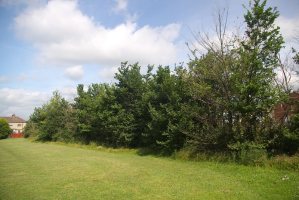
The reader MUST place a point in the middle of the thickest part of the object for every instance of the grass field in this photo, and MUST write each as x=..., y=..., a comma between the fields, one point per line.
x=31, y=170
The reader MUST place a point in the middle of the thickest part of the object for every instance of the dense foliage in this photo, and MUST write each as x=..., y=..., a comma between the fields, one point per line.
x=222, y=101
x=4, y=129
x=53, y=121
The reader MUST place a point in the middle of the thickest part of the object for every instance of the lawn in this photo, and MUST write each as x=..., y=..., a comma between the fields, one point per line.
x=30, y=170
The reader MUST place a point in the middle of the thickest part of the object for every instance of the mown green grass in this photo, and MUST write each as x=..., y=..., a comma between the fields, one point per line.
x=30, y=170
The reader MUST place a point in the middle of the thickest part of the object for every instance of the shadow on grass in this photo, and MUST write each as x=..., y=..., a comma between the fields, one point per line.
x=283, y=162
x=146, y=151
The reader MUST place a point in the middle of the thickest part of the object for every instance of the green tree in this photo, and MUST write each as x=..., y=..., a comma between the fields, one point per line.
x=210, y=84
x=88, y=105
x=54, y=121
x=232, y=85
x=114, y=123
x=296, y=54
x=256, y=71
x=4, y=129
x=292, y=144
x=164, y=99
x=130, y=88
x=36, y=123
x=211, y=109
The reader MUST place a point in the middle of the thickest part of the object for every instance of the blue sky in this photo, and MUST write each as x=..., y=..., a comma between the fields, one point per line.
x=55, y=45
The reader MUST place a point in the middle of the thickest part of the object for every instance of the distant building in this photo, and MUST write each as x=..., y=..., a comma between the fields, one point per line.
x=283, y=111
x=16, y=123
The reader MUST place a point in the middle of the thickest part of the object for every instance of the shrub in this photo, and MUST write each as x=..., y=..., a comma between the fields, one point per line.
x=248, y=153
x=191, y=153
x=4, y=129
x=284, y=162
x=31, y=130
x=285, y=139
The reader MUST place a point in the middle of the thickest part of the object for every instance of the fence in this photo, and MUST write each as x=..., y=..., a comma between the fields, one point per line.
x=16, y=135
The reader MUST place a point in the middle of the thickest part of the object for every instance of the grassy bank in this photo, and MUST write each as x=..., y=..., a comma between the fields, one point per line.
x=31, y=170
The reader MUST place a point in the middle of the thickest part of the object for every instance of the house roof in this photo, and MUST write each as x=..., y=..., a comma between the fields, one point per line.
x=14, y=119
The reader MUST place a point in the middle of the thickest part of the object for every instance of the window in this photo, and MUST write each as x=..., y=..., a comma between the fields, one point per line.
x=19, y=125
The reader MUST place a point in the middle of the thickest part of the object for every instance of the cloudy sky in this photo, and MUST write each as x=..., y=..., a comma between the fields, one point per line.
x=55, y=45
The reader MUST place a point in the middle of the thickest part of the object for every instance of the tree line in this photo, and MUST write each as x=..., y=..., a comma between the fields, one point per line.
x=221, y=100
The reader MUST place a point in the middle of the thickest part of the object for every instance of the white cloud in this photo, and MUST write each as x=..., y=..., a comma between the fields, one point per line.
x=107, y=73
x=121, y=5
x=293, y=79
x=69, y=93
x=75, y=72
x=289, y=28
x=290, y=31
x=22, y=77
x=21, y=102
x=3, y=79
x=64, y=35
x=295, y=83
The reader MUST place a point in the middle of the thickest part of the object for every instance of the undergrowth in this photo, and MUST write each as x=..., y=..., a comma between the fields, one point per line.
x=253, y=158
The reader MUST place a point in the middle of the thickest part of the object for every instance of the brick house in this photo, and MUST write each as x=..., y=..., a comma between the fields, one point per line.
x=283, y=111
x=17, y=125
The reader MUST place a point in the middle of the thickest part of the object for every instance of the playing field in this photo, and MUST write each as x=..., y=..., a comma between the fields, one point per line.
x=30, y=170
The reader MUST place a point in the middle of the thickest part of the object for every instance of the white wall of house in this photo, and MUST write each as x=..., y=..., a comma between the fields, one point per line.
x=17, y=127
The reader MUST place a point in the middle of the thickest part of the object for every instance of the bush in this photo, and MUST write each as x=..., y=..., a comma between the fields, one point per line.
x=4, y=129
x=242, y=153
x=248, y=153
x=191, y=153
x=31, y=130
x=284, y=162
x=252, y=156
x=285, y=139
